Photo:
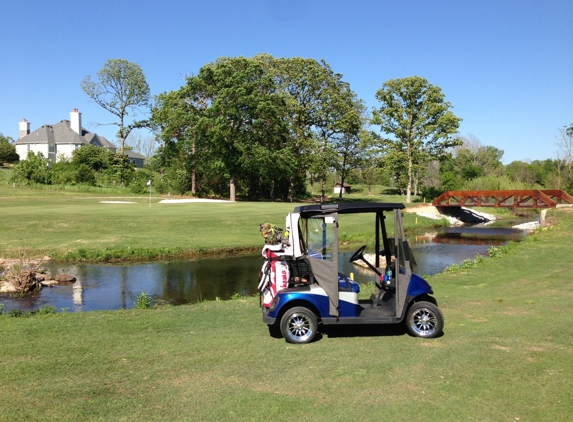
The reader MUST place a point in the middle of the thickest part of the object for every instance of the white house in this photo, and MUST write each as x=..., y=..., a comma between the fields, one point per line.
x=58, y=140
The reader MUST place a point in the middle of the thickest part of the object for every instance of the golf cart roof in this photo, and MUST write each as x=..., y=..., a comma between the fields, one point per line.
x=348, y=208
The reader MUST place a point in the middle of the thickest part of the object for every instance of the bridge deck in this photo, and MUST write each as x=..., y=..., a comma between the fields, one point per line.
x=503, y=198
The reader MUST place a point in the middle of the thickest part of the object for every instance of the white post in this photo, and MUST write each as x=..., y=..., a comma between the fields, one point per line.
x=149, y=184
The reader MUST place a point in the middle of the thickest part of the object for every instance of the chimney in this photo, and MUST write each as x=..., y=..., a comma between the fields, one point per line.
x=24, y=128
x=76, y=121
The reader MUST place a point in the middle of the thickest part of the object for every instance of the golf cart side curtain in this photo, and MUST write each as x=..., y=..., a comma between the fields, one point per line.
x=322, y=272
x=320, y=242
x=403, y=268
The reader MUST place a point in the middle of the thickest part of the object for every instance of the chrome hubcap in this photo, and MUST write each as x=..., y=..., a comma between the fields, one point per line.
x=299, y=327
x=423, y=322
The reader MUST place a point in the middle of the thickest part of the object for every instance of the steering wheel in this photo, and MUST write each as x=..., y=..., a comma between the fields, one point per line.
x=358, y=254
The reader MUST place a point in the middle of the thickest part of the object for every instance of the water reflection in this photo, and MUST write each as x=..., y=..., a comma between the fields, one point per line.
x=106, y=286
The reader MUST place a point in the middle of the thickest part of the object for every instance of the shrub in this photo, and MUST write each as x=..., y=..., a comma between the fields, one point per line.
x=63, y=173
x=468, y=263
x=35, y=169
x=139, y=181
x=143, y=301
x=85, y=175
x=96, y=158
x=42, y=310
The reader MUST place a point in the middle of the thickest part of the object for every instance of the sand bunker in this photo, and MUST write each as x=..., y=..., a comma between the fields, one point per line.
x=116, y=202
x=184, y=201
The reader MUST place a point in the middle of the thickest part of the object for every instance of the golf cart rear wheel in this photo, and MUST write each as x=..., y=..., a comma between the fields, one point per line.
x=424, y=319
x=298, y=325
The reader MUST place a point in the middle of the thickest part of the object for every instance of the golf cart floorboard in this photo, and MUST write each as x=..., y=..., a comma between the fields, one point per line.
x=369, y=315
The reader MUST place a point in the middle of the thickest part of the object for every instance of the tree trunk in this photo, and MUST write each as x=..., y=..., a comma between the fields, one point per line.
x=323, y=190
x=409, y=187
x=193, y=185
x=232, y=189
x=290, y=189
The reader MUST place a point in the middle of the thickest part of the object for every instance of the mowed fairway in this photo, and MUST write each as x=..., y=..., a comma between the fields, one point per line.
x=56, y=223
x=72, y=222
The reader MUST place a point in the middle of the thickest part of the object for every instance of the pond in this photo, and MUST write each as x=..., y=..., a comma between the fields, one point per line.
x=116, y=286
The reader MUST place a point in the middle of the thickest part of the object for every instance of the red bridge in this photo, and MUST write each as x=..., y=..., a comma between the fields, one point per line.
x=503, y=198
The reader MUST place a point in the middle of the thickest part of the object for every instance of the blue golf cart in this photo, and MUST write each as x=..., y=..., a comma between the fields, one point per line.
x=302, y=287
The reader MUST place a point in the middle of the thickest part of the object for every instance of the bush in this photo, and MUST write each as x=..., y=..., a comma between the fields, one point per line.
x=96, y=158
x=143, y=301
x=85, y=175
x=63, y=173
x=139, y=181
x=35, y=169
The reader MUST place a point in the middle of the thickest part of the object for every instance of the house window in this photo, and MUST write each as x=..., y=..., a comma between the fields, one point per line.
x=28, y=148
x=52, y=149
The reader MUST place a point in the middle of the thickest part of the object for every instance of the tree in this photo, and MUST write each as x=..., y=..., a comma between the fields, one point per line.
x=142, y=144
x=416, y=116
x=7, y=150
x=371, y=158
x=243, y=125
x=473, y=159
x=565, y=151
x=121, y=89
x=322, y=112
x=347, y=143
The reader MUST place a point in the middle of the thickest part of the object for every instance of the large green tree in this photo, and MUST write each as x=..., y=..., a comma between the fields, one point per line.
x=121, y=89
x=418, y=121
x=323, y=114
x=242, y=128
x=7, y=150
x=174, y=118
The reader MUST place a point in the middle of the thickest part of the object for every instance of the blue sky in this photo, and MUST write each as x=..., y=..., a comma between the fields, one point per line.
x=505, y=66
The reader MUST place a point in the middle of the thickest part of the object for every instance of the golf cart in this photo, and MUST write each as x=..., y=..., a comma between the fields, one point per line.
x=301, y=286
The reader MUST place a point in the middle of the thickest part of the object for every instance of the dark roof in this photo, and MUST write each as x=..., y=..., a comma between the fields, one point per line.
x=346, y=185
x=349, y=208
x=62, y=133
x=132, y=154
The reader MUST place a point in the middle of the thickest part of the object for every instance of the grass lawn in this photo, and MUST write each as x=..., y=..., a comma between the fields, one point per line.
x=505, y=356
x=73, y=226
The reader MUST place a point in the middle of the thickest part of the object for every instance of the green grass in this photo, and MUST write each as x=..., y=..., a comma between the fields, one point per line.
x=505, y=355
x=77, y=226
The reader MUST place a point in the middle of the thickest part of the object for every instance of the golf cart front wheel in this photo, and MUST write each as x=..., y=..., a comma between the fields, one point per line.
x=299, y=325
x=424, y=319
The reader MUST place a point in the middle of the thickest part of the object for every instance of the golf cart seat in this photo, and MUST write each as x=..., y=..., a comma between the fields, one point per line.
x=345, y=284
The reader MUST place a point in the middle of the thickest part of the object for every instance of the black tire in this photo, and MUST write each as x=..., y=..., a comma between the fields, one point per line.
x=275, y=331
x=299, y=325
x=424, y=319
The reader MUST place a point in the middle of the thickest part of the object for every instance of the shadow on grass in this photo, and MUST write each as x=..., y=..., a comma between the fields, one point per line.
x=387, y=330
x=347, y=331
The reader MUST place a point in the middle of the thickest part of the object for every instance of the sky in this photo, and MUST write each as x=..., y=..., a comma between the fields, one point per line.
x=506, y=67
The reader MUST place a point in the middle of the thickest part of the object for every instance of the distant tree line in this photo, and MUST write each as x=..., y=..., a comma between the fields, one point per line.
x=269, y=128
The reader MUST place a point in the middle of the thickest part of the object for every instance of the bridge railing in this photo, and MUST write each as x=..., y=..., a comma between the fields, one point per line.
x=503, y=198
